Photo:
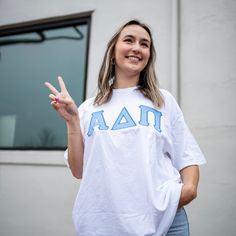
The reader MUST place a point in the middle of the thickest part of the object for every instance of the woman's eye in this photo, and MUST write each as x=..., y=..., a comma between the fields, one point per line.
x=128, y=40
x=145, y=45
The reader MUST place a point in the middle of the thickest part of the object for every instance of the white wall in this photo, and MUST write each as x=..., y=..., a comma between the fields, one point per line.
x=207, y=84
x=36, y=194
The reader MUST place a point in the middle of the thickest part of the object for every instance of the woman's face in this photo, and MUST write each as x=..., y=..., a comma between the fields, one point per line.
x=132, y=50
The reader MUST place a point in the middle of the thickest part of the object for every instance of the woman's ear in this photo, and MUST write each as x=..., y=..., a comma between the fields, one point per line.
x=113, y=62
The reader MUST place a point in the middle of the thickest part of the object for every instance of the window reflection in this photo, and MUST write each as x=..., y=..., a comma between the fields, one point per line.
x=27, y=61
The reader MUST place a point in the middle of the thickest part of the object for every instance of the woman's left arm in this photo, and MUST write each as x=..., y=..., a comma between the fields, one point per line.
x=190, y=178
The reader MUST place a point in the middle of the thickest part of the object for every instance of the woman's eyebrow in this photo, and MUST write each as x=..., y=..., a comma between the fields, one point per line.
x=132, y=36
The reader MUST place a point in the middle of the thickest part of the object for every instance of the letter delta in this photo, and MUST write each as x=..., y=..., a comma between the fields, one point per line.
x=125, y=120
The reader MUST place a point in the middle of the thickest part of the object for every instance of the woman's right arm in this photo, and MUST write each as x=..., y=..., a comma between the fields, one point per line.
x=67, y=109
x=75, y=147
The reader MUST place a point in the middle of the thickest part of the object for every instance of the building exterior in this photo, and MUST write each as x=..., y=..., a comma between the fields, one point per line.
x=196, y=55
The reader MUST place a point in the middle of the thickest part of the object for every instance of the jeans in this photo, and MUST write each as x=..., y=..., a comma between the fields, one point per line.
x=180, y=225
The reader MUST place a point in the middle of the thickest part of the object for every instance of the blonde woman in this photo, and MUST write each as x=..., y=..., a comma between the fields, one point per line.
x=130, y=145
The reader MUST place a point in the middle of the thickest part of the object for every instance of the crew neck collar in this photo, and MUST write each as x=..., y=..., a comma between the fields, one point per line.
x=125, y=89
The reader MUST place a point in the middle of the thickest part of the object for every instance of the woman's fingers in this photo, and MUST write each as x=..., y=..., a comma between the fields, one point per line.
x=60, y=99
x=51, y=88
x=54, y=90
x=52, y=97
x=62, y=84
x=55, y=106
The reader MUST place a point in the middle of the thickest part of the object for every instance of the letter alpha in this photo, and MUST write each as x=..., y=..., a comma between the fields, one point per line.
x=97, y=120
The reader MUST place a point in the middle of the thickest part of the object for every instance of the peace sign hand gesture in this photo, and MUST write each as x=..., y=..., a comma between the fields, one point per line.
x=62, y=102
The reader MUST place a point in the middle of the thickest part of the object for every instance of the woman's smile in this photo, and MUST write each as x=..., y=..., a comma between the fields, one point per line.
x=134, y=58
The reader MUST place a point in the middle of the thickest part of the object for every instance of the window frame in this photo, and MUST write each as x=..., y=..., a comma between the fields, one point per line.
x=48, y=24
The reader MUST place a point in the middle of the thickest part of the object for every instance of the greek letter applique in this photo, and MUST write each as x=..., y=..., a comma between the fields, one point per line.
x=144, y=110
x=97, y=120
x=124, y=120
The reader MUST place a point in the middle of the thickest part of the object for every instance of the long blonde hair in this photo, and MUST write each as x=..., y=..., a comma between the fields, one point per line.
x=148, y=83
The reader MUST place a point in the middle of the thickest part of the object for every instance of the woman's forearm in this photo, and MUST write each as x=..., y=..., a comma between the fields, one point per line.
x=190, y=179
x=75, y=147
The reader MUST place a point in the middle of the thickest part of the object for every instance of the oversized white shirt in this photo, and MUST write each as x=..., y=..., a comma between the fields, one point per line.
x=133, y=154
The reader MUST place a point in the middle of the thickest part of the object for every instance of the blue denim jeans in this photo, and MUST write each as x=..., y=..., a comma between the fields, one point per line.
x=180, y=225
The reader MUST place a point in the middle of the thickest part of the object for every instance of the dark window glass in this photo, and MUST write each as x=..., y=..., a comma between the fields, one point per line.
x=27, y=120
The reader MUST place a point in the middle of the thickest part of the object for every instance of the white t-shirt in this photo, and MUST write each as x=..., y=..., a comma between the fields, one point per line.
x=133, y=154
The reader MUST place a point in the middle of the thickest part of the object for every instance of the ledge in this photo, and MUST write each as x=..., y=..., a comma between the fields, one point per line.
x=45, y=158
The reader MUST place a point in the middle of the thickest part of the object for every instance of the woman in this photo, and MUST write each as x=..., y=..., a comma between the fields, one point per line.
x=130, y=145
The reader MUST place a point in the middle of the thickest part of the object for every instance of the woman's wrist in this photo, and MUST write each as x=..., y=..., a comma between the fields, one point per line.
x=188, y=193
x=73, y=125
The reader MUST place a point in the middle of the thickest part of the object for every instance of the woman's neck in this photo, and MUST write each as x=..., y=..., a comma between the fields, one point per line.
x=124, y=81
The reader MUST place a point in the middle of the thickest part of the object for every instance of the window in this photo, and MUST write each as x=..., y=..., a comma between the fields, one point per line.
x=30, y=54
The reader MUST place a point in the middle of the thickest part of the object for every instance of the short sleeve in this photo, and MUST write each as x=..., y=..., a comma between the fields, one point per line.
x=66, y=157
x=185, y=151
x=83, y=111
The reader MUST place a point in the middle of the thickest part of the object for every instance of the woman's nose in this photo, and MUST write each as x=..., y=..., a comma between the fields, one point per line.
x=136, y=47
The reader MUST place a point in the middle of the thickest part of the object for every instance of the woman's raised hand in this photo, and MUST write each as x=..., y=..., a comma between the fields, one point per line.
x=62, y=102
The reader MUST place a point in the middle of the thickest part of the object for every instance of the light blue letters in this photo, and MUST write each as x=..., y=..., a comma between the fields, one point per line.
x=144, y=117
x=125, y=120
x=97, y=120
x=129, y=122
